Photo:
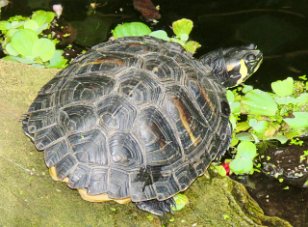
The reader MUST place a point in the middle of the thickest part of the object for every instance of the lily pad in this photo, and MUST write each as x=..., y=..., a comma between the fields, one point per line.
x=31, y=24
x=299, y=121
x=258, y=102
x=43, y=17
x=160, y=34
x=57, y=60
x=23, y=41
x=283, y=87
x=182, y=28
x=181, y=201
x=243, y=161
x=258, y=126
x=192, y=46
x=131, y=29
x=44, y=49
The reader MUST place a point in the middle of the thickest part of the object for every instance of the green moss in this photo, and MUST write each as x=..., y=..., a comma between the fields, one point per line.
x=28, y=196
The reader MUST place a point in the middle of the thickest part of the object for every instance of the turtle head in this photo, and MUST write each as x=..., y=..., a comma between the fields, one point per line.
x=232, y=66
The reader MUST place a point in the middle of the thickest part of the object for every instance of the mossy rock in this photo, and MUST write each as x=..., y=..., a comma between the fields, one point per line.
x=28, y=196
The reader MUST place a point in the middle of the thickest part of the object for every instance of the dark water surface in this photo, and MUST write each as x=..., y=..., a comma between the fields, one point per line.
x=278, y=27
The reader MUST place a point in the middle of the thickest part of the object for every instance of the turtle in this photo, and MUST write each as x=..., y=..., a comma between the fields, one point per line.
x=137, y=119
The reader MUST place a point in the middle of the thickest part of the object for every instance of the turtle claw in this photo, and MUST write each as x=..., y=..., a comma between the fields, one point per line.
x=156, y=207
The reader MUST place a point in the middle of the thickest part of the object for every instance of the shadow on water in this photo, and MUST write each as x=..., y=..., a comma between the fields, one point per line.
x=278, y=27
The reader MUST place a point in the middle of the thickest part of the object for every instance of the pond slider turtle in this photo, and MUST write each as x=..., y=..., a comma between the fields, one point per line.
x=137, y=119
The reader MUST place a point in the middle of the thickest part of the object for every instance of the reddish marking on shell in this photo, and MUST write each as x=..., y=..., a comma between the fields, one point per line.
x=184, y=116
x=207, y=98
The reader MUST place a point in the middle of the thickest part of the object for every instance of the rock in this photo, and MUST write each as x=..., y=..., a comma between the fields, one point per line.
x=29, y=197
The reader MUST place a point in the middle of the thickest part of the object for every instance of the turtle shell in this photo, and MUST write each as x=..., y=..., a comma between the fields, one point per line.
x=133, y=118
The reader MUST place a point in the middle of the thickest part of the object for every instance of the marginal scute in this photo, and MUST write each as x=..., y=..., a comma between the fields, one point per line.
x=40, y=120
x=164, y=184
x=43, y=102
x=66, y=166
x=80, y=178
x=141, y=185
x=118, y=184
x=98, y=181
x=185, y=176
x=55, y=153
x=47, y=137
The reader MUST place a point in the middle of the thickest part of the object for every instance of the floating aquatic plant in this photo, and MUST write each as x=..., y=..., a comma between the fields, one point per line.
x=279, y=115
x=25, y=42
x=181, y=29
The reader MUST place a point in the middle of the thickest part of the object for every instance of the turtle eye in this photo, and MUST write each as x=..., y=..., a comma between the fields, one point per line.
x=251, y=57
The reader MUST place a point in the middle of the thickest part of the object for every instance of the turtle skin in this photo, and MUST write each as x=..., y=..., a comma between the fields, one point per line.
x=135, y=118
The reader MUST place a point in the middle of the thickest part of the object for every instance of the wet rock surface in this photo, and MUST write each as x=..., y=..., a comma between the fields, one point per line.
x=288, y=163
x=279, y=199
x=281, y=188
x=28, y=196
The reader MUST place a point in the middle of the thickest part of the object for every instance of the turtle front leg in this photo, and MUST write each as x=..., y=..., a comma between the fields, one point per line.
x=157, y=207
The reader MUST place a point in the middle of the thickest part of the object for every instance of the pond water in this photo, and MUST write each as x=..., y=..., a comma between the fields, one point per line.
x=278, y=27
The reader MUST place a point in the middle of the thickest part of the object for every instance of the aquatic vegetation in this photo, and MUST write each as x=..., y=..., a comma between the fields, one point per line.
x=261, y=116
x=181, y=29
x=25, y=42
x=180, y=200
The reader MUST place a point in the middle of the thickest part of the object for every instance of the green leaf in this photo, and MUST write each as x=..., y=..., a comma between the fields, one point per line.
x=241, y=165
x=302, y=99
x=258, y=102
x=303, y=77
x=258, y=126
x=247, y=88
x=243, y=161
x=284, y=100
x=182, y=28
x=44, y=49
x=23, y=41
x=160, y=34
x=281, y=138
x=10, y=50
x=283, y=87
x=10, y=33
x=245, y=136
x=192, y=46
x=19, y=59
x=17, y=18
x=220, y=170
x=31, y=24
x=57, y=60
x=299, y=121
x=5, y=25
x=131, y=29
x=180, y=200
x=230, y=96
x=233, y=121
x=247, y=149
x=43, y=17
